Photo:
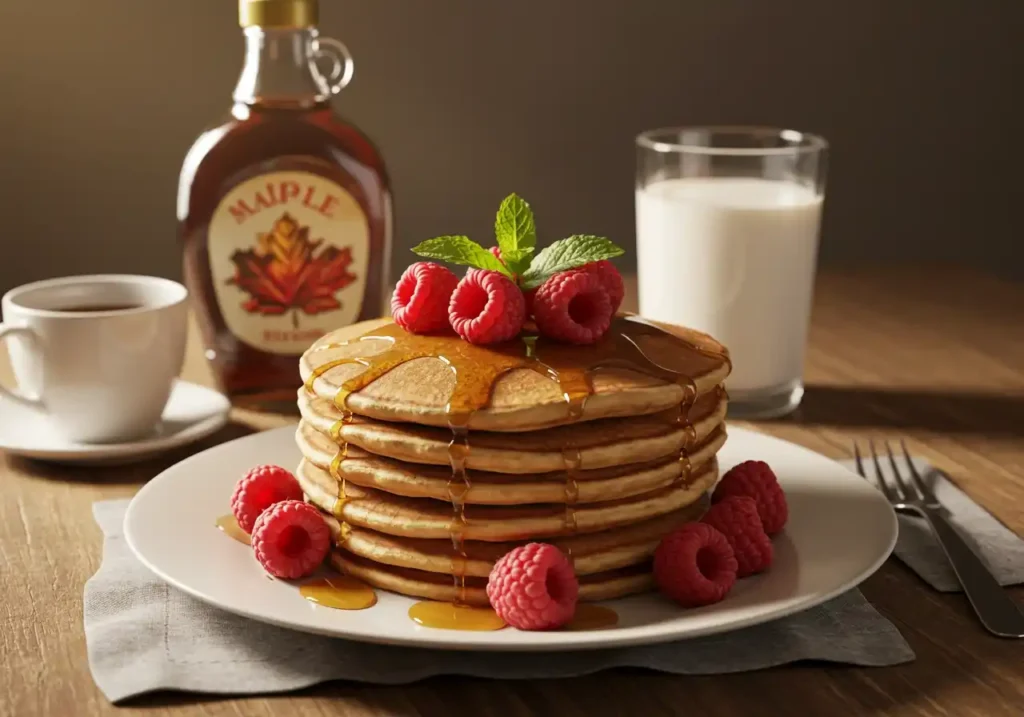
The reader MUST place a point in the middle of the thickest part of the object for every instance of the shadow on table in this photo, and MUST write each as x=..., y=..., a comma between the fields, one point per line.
x=131, y=472
x=991, y=414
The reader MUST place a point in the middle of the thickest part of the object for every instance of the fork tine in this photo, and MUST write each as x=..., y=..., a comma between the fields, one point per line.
x=906, y=492
x=879, y=480
x=893, y=494
x=922, y=486
x=858, y=460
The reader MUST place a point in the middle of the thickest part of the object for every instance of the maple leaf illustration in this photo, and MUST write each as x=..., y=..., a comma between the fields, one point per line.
x=286, y=272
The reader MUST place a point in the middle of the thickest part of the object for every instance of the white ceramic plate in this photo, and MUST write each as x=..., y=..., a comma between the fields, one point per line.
x=192, y=412
x=839, y=532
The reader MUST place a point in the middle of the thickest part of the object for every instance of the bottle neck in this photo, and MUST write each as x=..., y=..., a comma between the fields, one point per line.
x=280, y=68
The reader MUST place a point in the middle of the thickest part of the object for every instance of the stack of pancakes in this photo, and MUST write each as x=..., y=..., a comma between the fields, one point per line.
x=423, y=497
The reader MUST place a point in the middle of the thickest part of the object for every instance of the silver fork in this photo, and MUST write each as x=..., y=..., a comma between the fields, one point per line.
x=993, y=605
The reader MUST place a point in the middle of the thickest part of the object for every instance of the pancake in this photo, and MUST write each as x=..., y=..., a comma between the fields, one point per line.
x=435, y=586
x=425, y=518
x=601, y=443
x=591, y=553
x=489, y=488
x=644, y=370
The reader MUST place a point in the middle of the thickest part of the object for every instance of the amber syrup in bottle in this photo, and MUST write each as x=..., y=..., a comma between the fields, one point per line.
x=284, y=210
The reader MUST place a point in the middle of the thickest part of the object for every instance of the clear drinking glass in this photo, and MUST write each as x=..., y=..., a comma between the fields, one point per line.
x=727, y=228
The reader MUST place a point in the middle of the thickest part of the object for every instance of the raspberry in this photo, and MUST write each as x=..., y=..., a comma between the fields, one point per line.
x=755, y=479
x=259, y=489
x=533, y=587
x=695, y=565
x=610, y=278
x=291, y=539
x=573, y=306
x=420, y=302
x=736, y=518
x=486, y=307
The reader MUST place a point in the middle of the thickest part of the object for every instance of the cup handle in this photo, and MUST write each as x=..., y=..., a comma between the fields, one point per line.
x=12, y=393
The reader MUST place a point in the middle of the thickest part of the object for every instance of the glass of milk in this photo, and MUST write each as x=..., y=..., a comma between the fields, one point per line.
x=727, y=225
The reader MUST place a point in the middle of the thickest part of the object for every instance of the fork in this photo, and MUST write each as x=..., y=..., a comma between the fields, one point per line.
x=993, y=606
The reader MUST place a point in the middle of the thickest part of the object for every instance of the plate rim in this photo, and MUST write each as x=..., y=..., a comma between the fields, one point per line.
x=595, y=640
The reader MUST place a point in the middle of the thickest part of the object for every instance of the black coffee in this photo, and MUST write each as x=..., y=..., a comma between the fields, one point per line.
x=99, y=308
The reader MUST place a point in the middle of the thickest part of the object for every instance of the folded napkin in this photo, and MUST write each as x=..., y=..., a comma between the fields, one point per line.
x=1000, y=548
x=144, y=635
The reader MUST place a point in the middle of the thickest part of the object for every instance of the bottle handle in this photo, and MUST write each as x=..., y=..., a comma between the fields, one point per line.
x=342, y=66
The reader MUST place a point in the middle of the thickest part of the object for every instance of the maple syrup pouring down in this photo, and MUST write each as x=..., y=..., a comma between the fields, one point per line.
x=477, y=368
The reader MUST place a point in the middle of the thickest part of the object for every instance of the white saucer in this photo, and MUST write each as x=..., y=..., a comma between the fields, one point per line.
x=192, y=412
x=840, y=530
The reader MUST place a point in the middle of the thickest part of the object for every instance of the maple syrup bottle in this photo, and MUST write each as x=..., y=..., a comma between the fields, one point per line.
x=284, y=210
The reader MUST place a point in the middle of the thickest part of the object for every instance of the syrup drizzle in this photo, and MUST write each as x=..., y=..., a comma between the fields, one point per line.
x=476, y=369
x=458, y=488
x=337, y=433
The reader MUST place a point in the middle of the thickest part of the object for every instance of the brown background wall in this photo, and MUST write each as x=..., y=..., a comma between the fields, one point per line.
x=472, y=99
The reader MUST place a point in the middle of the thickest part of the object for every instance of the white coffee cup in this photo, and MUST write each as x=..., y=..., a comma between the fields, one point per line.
x=97, y=354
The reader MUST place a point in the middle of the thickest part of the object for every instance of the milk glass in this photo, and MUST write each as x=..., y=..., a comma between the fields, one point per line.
x=727, y=228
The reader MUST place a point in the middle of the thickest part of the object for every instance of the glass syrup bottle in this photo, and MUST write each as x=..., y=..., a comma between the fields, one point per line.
x=284, y=210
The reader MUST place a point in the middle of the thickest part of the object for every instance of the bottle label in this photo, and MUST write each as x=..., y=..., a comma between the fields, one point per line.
x=289, y=252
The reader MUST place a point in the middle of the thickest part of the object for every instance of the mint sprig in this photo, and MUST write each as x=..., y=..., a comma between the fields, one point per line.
x=516, y=233
x=564, y=254
x=460, y=250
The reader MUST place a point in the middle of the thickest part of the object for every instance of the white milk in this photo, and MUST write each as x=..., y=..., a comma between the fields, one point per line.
x=735, y=258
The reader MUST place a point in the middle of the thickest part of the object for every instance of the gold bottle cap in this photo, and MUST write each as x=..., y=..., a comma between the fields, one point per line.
x=278, y=13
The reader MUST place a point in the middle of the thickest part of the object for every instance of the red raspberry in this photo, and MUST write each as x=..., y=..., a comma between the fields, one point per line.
x=259, y=489
x=611, y=279
x=694, y=565
x=755, y=479
x=291, y=539
x=486, y=307
x=533, y=587
x=573, y=306
x=420, y=302
x=736, y=518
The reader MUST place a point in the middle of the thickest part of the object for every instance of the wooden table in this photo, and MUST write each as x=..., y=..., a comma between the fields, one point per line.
x=933, y=356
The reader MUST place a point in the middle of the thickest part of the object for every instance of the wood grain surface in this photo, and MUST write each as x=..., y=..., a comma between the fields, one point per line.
x=934, y=356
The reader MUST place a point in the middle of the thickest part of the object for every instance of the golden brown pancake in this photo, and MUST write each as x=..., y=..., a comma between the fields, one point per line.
x=600, y=450
x=520, y=399
x=590, y=552
x=435, y=586
x=489, y=488
x=601, y=443
x=427, y=518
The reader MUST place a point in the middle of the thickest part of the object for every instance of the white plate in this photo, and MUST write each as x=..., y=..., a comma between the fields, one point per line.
x=192, y=412
x=839, y=532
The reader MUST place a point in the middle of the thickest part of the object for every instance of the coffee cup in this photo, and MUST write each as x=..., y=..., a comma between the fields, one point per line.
x=97, y=354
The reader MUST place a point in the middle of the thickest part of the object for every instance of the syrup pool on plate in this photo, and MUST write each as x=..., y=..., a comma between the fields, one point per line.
x=449, y=616
x=230, y=527
x=341, y=592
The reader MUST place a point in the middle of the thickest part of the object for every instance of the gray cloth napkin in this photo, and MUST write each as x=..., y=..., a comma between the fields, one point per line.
x=998, y=546
x=144, y=635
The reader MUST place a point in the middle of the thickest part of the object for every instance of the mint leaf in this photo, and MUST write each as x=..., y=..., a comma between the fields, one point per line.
x=460, y=250
x=517, y=260
x=577, y=250
x=516, y=232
